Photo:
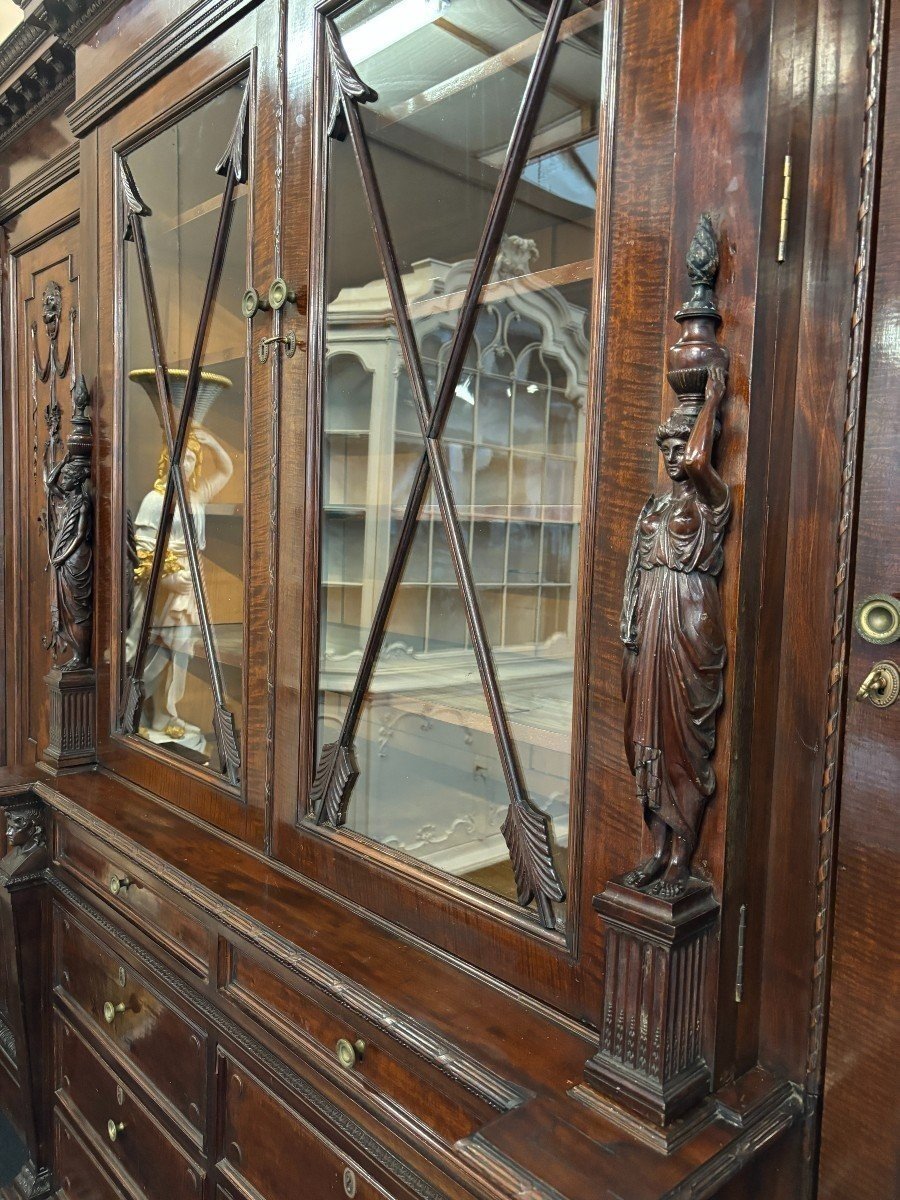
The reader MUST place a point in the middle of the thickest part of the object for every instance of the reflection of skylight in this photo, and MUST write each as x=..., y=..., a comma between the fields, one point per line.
x=389, y=26
x=570, y=173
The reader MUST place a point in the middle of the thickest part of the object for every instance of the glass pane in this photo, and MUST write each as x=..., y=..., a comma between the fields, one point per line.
x=450, y=78
x=175, y=176
x=513, y=443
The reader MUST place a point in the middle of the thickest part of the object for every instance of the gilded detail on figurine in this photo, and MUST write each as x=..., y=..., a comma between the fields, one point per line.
x=207, y=468
x=672, y=625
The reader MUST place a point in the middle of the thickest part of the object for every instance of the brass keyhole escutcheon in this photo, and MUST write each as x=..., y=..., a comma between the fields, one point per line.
x=114, y=1129
x=111, y=1011
x=881, y=686
x=877, y=619
x=349, y=1183
x=289, y=342
x=349, y=1053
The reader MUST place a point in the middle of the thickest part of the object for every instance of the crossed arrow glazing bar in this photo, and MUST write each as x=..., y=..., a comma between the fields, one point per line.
x=232, y=165
x=526, y=829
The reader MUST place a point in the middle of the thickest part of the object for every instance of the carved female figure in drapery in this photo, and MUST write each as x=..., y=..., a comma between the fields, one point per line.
x=672, y=626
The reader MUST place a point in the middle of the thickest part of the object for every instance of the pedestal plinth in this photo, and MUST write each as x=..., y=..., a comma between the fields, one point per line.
x=71, y=741
x=651, y=1059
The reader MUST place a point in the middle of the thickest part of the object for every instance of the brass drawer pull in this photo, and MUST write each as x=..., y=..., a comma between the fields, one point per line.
x=349, y=1053
x=111, y=1011
x=114, y=1129
x=290, y=346
x=118, y=884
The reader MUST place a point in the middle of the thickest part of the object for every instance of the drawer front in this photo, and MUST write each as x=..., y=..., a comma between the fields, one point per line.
x=268, y=1146
x=297, y=1016
x=131, y=1138
x=78, y=1174
x=137, y=897
x=157, y=1041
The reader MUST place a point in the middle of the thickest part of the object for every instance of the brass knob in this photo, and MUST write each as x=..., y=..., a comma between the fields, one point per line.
x=111, y=1011
x=877, y=619
x=252, y=303
x=114, y=1129
x=349, y=1053
x=280, y=294
x=881, y=686
x=118, y=883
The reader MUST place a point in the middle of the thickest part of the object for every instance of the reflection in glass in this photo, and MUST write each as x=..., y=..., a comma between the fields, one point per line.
x=175, y=175
x=431, y=782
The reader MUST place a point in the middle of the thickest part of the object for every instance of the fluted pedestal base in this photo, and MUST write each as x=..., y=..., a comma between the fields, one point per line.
x=71, y=741
x=651, y=1059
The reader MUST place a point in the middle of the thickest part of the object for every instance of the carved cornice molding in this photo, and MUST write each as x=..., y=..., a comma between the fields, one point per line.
x=153, y=58
x=20, y=43
x=43, y=85
x=29, y=91
x=55, y=171
x=434, y=1049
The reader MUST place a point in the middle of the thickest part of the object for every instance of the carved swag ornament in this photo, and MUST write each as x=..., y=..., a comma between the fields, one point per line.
x=672, y=625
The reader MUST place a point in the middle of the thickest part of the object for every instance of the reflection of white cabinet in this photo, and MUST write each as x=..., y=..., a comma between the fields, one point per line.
x=513, y=443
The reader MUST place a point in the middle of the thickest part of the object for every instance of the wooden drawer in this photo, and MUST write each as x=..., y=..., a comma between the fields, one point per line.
x=78, y=1175
x=106, y=1106
x=154, y=1039
x=137, y=897
x=270, y=1147
x=297, y=1014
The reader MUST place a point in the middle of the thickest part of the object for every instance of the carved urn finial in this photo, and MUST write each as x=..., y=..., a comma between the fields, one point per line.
x=80, y=440
x=697, y=350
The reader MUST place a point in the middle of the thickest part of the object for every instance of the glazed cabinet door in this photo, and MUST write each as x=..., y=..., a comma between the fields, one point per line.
x=504, y=195
x=187, y=183
x=456, y=244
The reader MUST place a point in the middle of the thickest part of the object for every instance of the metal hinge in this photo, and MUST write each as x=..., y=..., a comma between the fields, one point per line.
x=739, y=975
x=785, y=205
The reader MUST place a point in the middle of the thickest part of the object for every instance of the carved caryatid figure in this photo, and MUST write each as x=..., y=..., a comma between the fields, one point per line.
x=70, y=524
x=672, y=623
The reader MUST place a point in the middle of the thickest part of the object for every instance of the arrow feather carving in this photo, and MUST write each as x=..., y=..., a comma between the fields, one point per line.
x=336, y=774
x=527, y=833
